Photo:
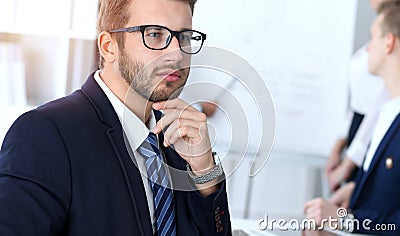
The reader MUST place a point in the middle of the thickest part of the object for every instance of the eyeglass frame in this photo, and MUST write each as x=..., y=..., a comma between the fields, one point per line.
x=142, y=28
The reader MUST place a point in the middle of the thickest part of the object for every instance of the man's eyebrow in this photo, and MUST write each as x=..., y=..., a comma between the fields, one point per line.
x=183, y=29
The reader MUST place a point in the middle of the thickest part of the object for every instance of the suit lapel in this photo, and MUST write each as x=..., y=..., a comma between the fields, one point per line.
x=385, y=141
x=130, y=171
x=133, y=179
x=377, y=156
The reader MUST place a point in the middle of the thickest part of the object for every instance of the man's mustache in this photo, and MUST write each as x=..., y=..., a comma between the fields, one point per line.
x=175, y=67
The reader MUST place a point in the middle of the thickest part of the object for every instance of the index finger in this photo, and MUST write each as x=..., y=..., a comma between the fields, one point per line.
x=173, y=104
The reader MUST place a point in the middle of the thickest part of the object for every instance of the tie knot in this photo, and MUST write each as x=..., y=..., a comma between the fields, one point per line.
x=149, y=147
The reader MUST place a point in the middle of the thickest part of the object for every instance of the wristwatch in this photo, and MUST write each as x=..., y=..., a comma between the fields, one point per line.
x=214, y=173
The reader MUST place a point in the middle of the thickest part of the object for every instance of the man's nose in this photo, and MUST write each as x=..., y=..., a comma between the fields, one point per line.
x=173, y=51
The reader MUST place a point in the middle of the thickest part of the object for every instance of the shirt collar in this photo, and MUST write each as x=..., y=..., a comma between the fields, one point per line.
x=135, y=130
x=391, y=108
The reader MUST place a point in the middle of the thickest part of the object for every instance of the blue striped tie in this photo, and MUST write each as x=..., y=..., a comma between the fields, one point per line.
x=162, y=195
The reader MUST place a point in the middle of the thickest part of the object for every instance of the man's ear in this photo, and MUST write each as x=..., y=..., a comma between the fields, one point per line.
x=390, y=42
x=107, y=47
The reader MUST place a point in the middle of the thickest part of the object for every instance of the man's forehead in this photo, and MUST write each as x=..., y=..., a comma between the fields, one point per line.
x=169, y=13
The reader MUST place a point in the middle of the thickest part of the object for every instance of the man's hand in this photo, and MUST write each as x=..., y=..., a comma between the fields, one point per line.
x=308, y=232
x=340, y=173
x=334, y=161
x=186, y=129
x=209, y=108
x=321, y=211
x=342, y=196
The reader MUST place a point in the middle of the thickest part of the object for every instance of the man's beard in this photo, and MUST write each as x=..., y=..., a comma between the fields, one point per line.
x=141, y=79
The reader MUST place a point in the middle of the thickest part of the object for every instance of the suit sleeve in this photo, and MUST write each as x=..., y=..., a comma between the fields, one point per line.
x=211, y=211
x=377, y=223
x=34, y=178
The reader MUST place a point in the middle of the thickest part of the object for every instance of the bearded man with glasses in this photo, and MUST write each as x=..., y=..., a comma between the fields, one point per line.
x=105, y=160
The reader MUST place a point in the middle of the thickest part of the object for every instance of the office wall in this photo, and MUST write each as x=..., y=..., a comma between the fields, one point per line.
x=302, y=50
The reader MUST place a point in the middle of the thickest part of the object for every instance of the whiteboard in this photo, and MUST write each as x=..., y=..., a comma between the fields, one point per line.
x=301, y=48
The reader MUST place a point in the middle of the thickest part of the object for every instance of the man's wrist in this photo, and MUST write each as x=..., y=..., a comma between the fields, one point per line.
x=207, y=174
x=202, y=164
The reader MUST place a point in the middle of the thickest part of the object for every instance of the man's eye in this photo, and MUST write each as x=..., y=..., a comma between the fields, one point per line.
x=184, y=37
x=154, y=34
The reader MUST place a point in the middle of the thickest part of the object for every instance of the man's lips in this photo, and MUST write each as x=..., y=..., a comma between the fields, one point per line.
x=170, y=76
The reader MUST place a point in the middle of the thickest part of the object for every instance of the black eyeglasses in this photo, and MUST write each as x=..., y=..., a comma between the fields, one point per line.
x=158, y=37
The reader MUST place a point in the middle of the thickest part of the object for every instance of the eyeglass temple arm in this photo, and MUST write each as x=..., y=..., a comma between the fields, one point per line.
x=129, y=30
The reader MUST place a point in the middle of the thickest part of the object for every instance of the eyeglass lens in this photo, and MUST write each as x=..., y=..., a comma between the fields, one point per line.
x=158, y=37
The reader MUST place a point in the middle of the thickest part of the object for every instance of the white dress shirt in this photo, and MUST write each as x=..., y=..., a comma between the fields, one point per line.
x=386, y=117
x=136, y=132
x=364, y=88
x=358, y=147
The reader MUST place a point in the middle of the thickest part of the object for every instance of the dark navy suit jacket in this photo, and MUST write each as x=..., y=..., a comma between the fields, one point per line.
x=65, y=170
x=377, y=192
